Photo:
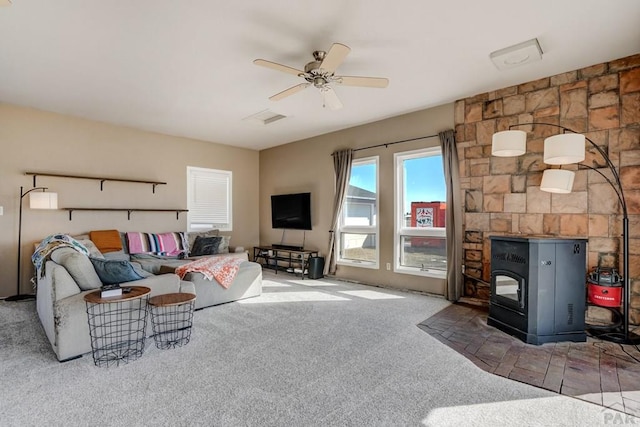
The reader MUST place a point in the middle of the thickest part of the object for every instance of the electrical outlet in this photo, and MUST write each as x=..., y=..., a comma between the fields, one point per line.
x=1, y=210
x=388, y=266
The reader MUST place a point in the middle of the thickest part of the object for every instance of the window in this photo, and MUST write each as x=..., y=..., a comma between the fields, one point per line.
x=420, y=239
x=358, y=233
x=208, y=199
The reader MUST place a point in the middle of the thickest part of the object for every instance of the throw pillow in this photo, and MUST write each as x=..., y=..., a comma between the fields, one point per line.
x=78, y=266
x=191, y=237
x=106, y=240
x=206, y=246
x=114, y=272
x=224, y=245
x=92, y=248
x=140, y=271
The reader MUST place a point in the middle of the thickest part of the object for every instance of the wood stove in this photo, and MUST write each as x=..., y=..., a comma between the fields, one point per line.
x=538, y=288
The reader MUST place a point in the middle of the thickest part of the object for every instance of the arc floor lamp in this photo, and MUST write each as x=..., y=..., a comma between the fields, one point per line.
x=563, y=149
x=37, y=200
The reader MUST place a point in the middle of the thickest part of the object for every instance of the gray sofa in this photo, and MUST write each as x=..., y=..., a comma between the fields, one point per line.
x=248, y=282
x=66, y=277
x=62, y=310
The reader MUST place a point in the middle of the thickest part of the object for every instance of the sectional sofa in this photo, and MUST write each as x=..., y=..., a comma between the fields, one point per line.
x=67, y=275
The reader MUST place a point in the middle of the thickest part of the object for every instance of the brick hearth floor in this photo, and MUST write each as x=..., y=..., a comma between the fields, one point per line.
x=604, y=373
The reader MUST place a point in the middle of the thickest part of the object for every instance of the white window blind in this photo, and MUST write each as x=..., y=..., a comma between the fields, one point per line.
x=209, y=199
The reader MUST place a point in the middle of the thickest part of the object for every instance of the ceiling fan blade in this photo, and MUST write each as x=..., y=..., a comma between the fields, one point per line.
x=278, y=67
x=379, y=82
x=288, y=92
x=329, y=98
x=334, y=57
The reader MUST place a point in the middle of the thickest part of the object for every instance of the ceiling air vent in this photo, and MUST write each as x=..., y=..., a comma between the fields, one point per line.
x=265, y=117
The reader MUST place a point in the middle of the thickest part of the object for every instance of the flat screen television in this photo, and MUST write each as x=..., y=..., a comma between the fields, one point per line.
x=291, y=211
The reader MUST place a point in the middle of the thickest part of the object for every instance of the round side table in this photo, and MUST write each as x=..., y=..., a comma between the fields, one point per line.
x=117, y=325
x=172, y=318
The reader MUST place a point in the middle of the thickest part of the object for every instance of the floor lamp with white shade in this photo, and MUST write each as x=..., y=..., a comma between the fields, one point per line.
x=563, y=149
x=37, y=200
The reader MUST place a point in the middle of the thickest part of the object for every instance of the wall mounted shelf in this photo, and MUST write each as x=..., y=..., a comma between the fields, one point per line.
x=102, y=181
x=95, y=178
x=128, y=211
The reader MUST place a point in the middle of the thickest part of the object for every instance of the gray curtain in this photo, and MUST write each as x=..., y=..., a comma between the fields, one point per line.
x=454, y=288
x=342, y=166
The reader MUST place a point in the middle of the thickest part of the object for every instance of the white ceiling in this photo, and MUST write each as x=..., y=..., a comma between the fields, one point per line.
x=185, y=67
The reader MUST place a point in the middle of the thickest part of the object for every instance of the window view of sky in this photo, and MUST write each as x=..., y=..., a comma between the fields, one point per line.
x=364, y=176
x=424, y=179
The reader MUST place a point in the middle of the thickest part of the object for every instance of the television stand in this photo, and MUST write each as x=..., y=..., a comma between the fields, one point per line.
x=281, y=257
x=288, y=247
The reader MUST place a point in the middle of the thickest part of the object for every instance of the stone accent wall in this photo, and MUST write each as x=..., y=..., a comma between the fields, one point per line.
x=501, y=195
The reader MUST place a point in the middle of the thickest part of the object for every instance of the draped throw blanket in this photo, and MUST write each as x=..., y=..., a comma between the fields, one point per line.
x=223, y=269
x=50, y=243
x=171, y=244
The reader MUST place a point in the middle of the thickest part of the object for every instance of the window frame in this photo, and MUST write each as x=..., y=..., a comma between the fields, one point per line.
x=226, y=178
x=361, y=229
x=400, y=230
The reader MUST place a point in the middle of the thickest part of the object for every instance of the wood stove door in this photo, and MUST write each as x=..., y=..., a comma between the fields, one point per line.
x=508, y=289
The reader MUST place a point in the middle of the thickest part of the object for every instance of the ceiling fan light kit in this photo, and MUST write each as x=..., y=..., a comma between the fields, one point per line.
x=320, y=74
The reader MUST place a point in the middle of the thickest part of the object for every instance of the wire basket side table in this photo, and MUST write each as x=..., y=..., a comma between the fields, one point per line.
x=172, y=319
x=117, y=325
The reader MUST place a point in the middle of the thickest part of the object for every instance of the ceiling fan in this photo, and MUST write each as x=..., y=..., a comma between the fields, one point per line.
x=320, y=74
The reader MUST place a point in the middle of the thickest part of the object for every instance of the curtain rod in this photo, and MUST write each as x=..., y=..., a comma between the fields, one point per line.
x=385, y=145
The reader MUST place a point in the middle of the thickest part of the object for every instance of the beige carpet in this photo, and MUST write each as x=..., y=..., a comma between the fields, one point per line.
x=305, y=353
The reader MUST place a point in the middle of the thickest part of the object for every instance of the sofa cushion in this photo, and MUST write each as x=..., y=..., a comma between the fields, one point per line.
x=114, y=272
x=117, y=256
x=152, y=263
x=206, y=246
x=65, y=286
x=78, y=266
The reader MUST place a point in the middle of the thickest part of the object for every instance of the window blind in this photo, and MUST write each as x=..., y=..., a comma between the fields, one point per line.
x=209, y=199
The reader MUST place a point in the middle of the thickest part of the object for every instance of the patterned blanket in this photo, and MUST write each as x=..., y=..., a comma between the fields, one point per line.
x=49, y=244
x=223, y=269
